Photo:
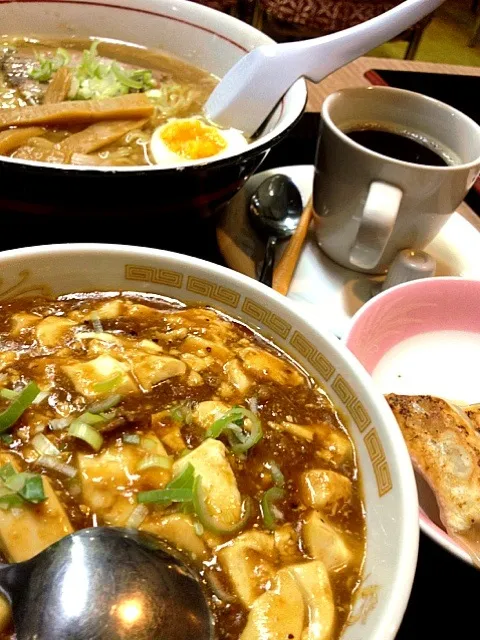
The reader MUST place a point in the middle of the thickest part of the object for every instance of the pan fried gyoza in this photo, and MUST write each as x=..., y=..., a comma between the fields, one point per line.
x=127, y=410
x=445, y=448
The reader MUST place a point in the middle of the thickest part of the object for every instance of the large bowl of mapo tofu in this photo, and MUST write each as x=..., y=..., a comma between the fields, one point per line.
x=153, y=391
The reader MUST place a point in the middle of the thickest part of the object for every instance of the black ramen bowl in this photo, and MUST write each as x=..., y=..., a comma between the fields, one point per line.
x=149, y=205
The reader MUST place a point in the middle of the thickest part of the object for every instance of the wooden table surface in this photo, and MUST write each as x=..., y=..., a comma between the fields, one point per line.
x=353, y=75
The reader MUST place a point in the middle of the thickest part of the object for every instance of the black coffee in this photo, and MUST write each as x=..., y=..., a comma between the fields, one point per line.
x=398, y=146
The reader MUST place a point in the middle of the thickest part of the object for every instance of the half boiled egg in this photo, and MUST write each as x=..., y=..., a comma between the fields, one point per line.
x=186, y=141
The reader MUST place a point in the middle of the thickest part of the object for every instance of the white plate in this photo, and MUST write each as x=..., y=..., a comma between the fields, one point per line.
x=328, y=291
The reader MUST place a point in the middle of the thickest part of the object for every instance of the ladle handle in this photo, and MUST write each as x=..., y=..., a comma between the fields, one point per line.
x=266, y=275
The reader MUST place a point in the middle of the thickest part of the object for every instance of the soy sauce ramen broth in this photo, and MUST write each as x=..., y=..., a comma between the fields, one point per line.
x=180, y=91
x=185, y=392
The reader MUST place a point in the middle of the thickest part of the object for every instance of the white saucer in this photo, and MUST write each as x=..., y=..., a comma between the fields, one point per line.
x=331, y=292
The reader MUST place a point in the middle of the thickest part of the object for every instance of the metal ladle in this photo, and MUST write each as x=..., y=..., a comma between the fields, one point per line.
x=106, y=584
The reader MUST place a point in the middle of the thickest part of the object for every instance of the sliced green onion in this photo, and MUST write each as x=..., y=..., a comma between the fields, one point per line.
x=60, y=423
x=28, y=486
x=107, y=385
x=240, y=441
x=49, y=462
x=32, y=490
x=137, y=516
x=104, y=405
x=269, y=497
x=95, y=79
x=43, y=446
x=180, y=489
x=208, y=521
x=89, y=62
x=131, y=438
x=7, y=472
x=44, y=71
x=145, y=77
x=277, y=476
x=9, y=394
x=18, y=406
x=108, y=416
x=182, y=413
x=234, y=416
x=184, y=480
x=41, y=397
x=152, y=460
x=91, y=418
x=252, y=438
x=88, y=418
x=16, y=482
x=63, y=55
x=176, y=414
x=48, y=65
x=148, y=444
x=99, y=87
x=10, y=500
x=6, y=438
x=165, y=496
x=96, y=324
x=125, y=78
x=199, y=528
x=87, y=433
x=187, y=508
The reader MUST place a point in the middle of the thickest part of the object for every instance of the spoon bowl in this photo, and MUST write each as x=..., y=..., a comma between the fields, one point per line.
x=274, y=212
x=106, y=584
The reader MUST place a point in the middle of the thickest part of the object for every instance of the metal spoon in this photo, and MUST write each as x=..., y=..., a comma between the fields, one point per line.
x=275, y=210
x=106, y=584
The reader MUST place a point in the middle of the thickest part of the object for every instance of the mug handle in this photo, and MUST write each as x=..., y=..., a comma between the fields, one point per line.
x=376, y=225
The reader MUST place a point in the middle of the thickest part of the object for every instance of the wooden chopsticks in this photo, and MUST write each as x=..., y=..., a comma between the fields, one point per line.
x=283, y=273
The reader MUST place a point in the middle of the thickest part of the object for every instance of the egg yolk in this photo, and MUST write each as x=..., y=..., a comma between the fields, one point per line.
x=192, y=139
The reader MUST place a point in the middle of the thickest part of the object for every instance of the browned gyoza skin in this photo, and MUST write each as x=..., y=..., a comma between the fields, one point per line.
x=274, y=570
x=445, y=448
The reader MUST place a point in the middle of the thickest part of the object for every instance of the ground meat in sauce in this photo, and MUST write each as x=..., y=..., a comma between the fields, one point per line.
x=300, y=426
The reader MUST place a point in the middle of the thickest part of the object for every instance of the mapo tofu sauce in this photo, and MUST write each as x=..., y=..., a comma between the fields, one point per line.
x=130, y=410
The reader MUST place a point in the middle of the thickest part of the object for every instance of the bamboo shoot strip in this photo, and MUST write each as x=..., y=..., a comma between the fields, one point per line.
x=134, y=105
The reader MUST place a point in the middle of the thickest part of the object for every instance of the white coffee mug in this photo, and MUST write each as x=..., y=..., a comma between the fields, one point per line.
x=369, y=206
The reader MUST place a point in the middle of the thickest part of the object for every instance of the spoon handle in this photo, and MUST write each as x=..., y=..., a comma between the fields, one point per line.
x=266, y=275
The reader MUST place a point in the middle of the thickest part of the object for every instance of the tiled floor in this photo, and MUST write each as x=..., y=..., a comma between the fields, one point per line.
x=445, y=39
